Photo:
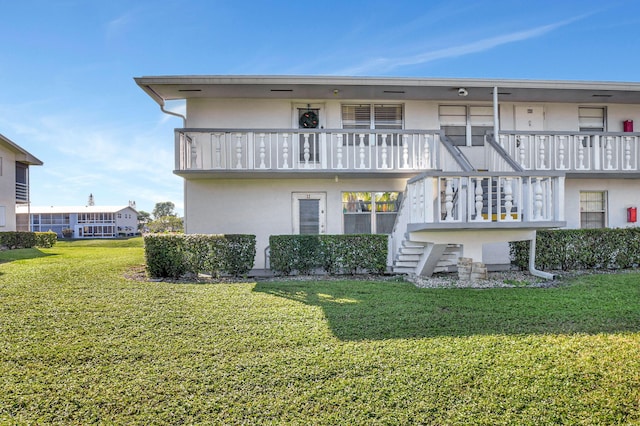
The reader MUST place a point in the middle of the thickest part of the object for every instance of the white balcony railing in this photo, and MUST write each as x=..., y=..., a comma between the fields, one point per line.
x=317, y=149
x=573, y=152
x=484, y=198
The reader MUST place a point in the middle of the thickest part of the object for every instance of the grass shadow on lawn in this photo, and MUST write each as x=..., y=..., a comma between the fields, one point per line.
x=361, y=310
x=21, y=254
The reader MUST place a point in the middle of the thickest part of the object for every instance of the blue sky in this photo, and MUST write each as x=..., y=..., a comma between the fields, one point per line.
x=67, y=93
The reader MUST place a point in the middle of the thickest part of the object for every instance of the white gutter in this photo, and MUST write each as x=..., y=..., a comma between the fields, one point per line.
x=532, y=262
x=184, y=119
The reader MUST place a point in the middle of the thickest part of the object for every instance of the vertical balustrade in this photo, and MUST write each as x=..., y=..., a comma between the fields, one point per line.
x=541, y=152
x=608, y=149
x=478, y=199
x=384, y=151
x=521, y=145
x=537, y=203
x=262, y=151
x=193, y=149
x=339, y=142
x=508, y=198
x=561, y=153
x=361, y=151
x=581, y=153
x=306, y=150
x=285, y=150
x=448, y=199
x=405, y=151
x=426, y=155
x=238, y=150
x=627, y=153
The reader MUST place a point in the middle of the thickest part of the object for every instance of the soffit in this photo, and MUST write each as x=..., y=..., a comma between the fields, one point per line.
x=307, y=88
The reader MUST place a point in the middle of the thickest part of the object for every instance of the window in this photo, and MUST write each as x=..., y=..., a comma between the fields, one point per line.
x=372, y=116
x=466, y=125
x=369, y=212
x=593, y=209
x=591, y=119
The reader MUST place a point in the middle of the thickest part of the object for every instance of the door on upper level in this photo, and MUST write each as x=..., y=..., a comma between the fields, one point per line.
x=309, y=117
x=309, y=212
x=529, y=118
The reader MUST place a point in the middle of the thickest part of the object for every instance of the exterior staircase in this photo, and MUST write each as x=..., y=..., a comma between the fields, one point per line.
x=422, y=258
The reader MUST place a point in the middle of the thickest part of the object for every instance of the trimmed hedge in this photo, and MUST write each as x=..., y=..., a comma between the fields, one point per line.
x=17, y=239
x=567, y=249
x=335, y=254
x=174, y=255
x=46, y=239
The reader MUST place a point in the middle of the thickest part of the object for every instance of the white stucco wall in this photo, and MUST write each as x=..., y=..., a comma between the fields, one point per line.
x=621, y=194
x=7, y=189
x=264, y=207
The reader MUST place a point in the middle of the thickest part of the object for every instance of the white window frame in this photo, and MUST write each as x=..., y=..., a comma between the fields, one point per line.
x=604, y=210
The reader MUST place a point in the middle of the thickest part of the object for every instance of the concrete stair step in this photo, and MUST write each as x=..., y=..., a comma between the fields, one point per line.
x=408, y=257
x=403, y=270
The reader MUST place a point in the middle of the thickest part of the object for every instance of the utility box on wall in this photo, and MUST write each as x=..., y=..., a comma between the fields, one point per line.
x=632, y=214
x=627, y=125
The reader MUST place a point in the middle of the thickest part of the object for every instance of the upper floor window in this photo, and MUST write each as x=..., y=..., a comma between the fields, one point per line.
x=372, y=116
x=466, y=125
x=591, y=119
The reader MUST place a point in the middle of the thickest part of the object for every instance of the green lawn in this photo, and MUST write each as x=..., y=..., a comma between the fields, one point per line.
x=81, y=344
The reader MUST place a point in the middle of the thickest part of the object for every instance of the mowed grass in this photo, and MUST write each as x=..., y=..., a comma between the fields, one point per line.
x=81, y=344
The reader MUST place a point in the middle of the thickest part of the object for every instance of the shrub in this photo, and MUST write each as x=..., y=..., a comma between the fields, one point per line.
x=17, y=239
x=335, y=254
x=581, y=249
x=46, y=239
x=173, y=255
x=165, y=256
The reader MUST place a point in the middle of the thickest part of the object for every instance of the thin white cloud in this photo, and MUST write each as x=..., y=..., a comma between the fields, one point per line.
x=116, y=27
x=386, y=64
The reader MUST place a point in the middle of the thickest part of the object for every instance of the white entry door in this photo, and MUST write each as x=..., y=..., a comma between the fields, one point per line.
x=309, y=212
x=529, y=118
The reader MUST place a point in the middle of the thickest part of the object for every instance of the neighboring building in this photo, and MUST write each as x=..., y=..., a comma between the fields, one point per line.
x=14, y=181
x=82, y=221
x=446, y=167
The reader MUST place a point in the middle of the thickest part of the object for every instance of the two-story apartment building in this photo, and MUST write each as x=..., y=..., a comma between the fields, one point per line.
x=446, y=167
x=81, y=221
x=14, y=181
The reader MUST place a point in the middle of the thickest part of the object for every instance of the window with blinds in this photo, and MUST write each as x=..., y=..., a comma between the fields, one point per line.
x=360, y=116
x=466, y=125
x=593, y=209
x=372, y=116
x=591, y=119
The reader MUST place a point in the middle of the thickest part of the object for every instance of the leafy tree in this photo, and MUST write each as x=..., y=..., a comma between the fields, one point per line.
x=166, y=224
x=143, y=219
x=164, y=209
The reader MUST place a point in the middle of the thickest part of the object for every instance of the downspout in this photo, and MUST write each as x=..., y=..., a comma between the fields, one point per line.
x=496, y=123
x=532, y=262
x=184, y=119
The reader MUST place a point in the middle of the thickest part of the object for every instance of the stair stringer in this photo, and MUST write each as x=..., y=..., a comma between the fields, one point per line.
x=430, y=258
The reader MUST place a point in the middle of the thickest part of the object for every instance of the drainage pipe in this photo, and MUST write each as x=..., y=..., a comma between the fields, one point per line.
x=532, y=262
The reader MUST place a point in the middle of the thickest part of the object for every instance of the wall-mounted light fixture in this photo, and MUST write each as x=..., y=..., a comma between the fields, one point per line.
x=462, y=92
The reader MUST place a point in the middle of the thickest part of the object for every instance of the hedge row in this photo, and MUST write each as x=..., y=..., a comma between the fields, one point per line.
x=567, y=249
x=46, y=239
x=17, y=239
x=174, y=255
x=334, y=254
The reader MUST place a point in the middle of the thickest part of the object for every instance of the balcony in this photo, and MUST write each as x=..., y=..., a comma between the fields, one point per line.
x=577, y=154
x=484, y=200
x=314, y=152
